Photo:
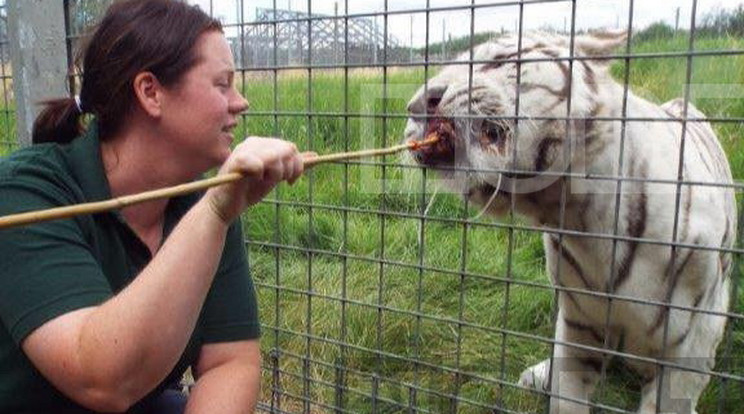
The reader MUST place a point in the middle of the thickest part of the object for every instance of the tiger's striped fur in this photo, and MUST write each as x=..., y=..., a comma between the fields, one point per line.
x=532, y=154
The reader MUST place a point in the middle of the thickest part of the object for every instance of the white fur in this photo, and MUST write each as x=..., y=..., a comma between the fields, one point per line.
x=706, y=215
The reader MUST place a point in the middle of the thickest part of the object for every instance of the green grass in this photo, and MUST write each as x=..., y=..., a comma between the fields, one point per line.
x=390, y=315
x=8, y=134
x=716, y=84
x=393, y=314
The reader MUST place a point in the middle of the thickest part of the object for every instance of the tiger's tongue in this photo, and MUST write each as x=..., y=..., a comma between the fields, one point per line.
x=443, y=151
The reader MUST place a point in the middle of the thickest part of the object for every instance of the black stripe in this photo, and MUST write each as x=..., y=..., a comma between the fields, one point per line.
x=673, y=284
x=567, y=77
x=725, y=258
x=585, y=204
x=542, y=152
x=563, y=93
x=529, y=87
x=499, y=60
x=592, y=363
x=677, y=342
x=578, y=326
x=698, y=299
x=571, y=260
x=590, y=125
x=636, y=227
x=461, y=93
x=687, y=208
x=550, y=52
x=572, y=298
x=645, y=380
x=589, y=77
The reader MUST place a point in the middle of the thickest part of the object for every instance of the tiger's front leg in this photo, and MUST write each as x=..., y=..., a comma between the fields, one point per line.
x=575, y=371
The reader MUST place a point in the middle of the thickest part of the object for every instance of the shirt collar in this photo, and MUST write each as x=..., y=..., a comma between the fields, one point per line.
x=87, y=165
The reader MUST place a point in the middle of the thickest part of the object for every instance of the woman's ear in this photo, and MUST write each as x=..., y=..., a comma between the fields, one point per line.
x=149, y=93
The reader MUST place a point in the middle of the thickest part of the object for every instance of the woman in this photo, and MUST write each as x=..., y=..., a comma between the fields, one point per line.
x=101, y=313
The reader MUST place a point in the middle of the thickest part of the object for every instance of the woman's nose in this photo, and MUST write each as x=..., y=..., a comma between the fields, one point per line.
x=239, y=103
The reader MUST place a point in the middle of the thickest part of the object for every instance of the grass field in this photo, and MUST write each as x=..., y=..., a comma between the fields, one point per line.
x=8, y=134
x=439, y=314
x=355, y=289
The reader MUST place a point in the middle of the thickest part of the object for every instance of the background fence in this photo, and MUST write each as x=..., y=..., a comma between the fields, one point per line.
x=375, y=295
x=7, y=110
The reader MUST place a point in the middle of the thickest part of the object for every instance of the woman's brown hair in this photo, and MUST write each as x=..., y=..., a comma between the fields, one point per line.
x=134, y=36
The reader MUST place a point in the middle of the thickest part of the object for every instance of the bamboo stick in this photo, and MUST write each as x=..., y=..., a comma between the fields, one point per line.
x=20, y=219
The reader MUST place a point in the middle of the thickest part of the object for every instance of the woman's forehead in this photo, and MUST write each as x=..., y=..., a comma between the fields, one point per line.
x=215, y=52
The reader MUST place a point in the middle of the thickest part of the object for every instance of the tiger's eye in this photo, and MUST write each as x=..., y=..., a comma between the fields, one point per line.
x=491, y=133
x=432, y=104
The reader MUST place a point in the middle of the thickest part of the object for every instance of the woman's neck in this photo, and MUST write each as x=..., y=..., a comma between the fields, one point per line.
x=134, y=163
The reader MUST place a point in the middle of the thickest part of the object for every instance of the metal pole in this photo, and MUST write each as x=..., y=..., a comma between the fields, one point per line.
x=444, y=40
x=335, y=33
x=241, y=32
x=410, y=44
x=36, y=31
x=374, y=37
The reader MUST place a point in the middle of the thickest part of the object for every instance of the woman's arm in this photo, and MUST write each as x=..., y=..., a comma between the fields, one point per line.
x=228, y=377
x=110, y=356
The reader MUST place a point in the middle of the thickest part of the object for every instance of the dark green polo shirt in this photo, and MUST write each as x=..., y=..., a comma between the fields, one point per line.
x=51, y=268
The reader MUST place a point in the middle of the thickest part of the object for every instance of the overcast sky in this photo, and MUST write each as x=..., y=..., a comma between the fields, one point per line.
x=411, y=27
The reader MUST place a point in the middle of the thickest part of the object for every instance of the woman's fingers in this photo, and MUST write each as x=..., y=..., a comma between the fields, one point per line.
x=297, y=167
x=264, y=162
x=261, y=158
x=248, y=165
x=274, y=171
x=269, y=161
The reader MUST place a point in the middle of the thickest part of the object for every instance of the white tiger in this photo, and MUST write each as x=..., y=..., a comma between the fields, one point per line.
x=534, y=174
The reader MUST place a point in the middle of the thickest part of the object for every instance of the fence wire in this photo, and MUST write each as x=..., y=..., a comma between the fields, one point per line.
x=378, y=296
x=7, y=110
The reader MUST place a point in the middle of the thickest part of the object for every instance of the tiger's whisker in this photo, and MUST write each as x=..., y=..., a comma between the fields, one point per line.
x=490, y=200
x=431, y=201
x=426, y=213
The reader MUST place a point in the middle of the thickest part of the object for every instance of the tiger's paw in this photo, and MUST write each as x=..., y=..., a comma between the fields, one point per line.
x=536, y=376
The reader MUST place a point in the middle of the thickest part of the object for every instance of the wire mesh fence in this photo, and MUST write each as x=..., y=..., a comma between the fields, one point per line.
x=378, y=295
x=7, y=113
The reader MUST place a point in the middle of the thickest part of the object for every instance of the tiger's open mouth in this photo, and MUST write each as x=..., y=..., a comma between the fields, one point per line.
x=442, y=153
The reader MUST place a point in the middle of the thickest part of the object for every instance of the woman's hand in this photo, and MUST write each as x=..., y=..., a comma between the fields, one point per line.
x=264, y=162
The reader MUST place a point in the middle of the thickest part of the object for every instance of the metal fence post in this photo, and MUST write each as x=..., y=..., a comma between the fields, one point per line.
x=38, y=56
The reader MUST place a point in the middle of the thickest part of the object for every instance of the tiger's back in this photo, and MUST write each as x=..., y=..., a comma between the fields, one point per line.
x=642, y=265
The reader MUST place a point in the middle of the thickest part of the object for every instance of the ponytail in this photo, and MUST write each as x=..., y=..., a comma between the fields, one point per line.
x=58, y=122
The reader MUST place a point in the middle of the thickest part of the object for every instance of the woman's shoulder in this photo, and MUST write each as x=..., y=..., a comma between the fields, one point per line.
x=41, y=168
x=34, y=158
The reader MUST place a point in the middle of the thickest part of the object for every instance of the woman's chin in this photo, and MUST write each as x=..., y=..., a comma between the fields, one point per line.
x=222, y=157
x=228, y=138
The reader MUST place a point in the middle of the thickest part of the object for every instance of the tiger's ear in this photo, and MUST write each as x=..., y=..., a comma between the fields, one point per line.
x=600, y=43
